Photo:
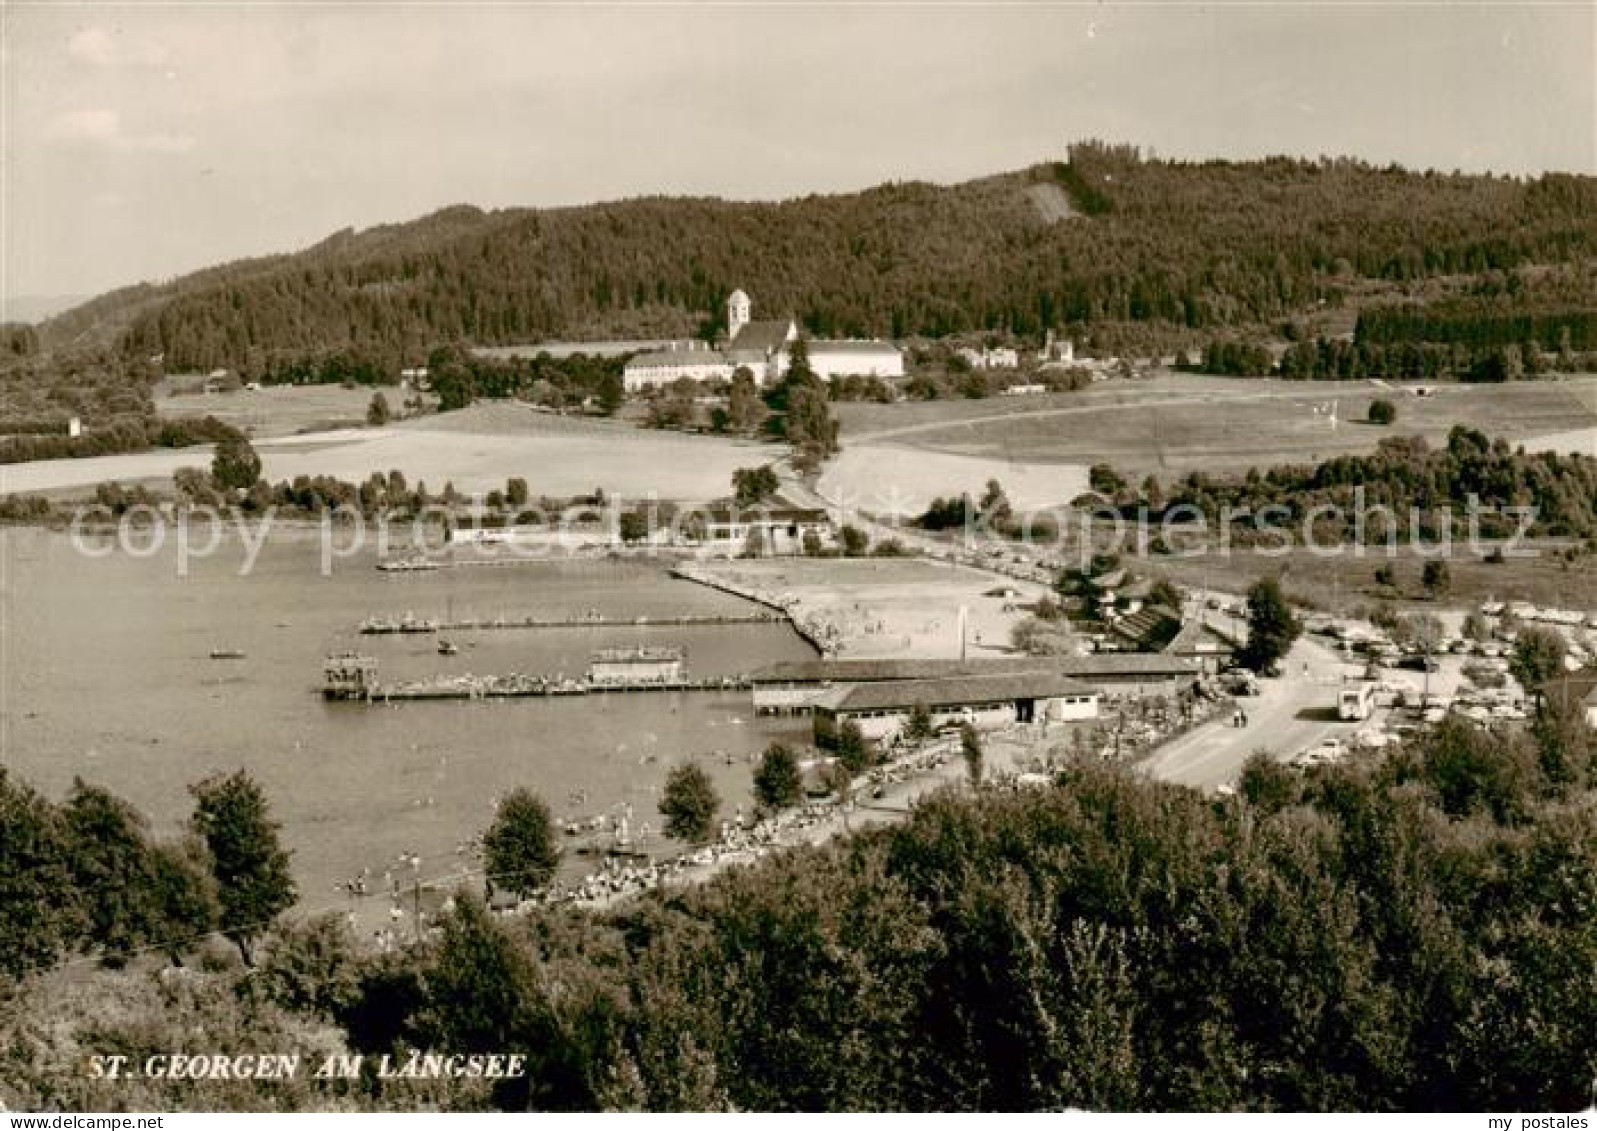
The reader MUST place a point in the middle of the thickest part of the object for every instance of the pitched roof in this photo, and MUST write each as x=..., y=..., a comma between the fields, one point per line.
x=762, y=337
x=1137, y=590
x=955, y=691
x=723, y=512
x=1114, y=579
x=852, y=347
x=662, y=358
x=612, y=348
x=872, y=671
x=1194, y=631
x=1126, y=663
x=1151, y=626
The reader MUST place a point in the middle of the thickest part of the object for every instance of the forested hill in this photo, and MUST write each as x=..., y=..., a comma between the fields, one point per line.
x=1145, y=244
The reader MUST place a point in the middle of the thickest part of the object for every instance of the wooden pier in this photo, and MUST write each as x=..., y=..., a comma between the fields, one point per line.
x=380, y=627
x=491, y=687
x=351, y=677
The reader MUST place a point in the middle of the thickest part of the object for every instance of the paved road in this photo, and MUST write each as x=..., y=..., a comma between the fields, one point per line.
x=1290, y=714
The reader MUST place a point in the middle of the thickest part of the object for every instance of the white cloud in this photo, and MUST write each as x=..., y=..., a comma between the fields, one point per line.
x=101, y=48
x=104, y=128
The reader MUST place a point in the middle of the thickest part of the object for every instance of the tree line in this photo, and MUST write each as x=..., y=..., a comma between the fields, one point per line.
x=85, y=876
x=1407, y=476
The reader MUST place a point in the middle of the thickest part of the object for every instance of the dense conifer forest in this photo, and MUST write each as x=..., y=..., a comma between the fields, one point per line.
x=1150, y=247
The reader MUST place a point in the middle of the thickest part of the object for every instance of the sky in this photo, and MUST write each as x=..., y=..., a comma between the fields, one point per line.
x=143, y=141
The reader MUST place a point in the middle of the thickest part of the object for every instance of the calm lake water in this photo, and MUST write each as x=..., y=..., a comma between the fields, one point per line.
x=107, y=675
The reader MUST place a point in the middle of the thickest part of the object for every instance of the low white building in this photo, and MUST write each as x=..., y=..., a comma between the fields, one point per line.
x=855, y=358
x=766, y=530
x=799, y=686
x=662, y=367
x=987, y=702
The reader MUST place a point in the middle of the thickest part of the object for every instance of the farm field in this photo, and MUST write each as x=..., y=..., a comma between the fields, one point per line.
x=887, y=479
x=1178, y=423
x=1578, y=440
x=280, y=410
x=477, y=449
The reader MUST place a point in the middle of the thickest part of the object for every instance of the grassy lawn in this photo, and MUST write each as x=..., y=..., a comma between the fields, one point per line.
x=476, y=449
x=1178, y=423
x=281, y=410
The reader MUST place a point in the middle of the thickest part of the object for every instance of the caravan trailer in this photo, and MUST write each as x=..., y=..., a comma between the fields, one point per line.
x=1356, y=701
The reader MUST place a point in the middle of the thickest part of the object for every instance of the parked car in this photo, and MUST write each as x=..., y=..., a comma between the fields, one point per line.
x=1240, y=681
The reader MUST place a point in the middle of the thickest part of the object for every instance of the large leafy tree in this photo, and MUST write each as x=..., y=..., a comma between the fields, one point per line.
x=743, y=406
x=778, y=781
x=918, y=727
x=183, y=891
x=1271, y=626
x=482, y=995
x=251, y=868
x=754, y=485
x=519, y=848
x=611, y=394
x=1538, y=656
x=689, y=803
x=235, y=464
x=39, y=912
x=113, y=868
x=850, y=747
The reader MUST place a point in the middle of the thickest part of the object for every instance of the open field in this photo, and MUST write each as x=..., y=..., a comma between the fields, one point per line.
x=1344, y=584
x=1577, y=440
x=280, y=410
x=1177, y=423
x=477, y=449
x=900, y=607
x=887, y=479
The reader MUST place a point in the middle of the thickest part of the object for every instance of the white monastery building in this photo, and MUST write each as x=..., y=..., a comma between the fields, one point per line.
x=765, y=349
x=661, y=367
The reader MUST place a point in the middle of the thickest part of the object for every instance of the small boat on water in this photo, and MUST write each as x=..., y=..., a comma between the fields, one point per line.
x=226, y=654
x=408, y=565
x=448, y=648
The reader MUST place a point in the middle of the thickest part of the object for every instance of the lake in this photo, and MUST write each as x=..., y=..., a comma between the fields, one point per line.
x=105, y=673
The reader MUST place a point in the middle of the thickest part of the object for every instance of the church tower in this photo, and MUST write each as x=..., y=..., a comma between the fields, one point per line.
x=737, y=314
